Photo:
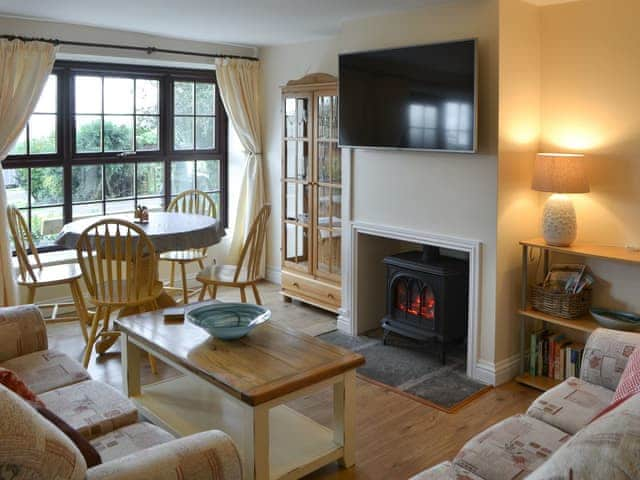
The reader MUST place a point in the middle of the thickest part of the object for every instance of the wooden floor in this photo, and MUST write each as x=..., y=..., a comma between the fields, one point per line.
x=396, y=436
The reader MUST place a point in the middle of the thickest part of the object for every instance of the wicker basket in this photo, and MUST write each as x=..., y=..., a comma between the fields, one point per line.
x=564, y=305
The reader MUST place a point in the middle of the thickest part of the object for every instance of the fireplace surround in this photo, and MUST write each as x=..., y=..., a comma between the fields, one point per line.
x=361, y=311
x=427, y=297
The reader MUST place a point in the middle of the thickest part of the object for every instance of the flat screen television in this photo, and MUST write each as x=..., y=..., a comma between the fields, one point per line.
x=418, y=98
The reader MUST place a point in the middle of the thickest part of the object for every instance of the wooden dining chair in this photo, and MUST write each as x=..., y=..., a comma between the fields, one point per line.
x=246, y=272
x=120, y=268
x=34, y=275
x=189, y=201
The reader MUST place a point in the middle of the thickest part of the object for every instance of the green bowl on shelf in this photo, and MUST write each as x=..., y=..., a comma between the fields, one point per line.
x=616, y=320
x=228, y=321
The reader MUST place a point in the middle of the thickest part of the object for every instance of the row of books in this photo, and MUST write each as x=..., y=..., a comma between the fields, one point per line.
x=553, y=355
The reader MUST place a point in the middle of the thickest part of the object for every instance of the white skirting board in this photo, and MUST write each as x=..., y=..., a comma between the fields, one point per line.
x=497, y=373
x=274, y=274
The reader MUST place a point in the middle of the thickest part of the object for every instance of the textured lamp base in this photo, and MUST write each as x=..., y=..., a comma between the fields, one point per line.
x=559, y=225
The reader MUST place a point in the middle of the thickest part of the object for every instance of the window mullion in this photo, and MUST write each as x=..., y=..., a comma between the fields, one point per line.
x=102, y=119
x=135, y=183
x=167, y=127
x=104, y=188
x=29, y=203
x=65, y=108
x=135, y=123
x=26, y=138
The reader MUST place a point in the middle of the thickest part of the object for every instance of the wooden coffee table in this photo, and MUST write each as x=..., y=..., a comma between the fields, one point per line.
x=241, y=386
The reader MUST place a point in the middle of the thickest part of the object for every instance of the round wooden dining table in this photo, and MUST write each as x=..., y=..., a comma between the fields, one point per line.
x=167, y=231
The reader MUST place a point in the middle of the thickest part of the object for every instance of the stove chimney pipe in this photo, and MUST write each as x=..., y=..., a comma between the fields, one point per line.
x=430, y=253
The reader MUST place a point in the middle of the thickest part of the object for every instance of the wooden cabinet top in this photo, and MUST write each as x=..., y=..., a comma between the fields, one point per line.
x=311, y=81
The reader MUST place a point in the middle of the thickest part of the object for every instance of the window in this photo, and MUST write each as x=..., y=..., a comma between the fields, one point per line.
x=105, y=138
x=39, y=193
x=194, y=115
x=40, y=136
x=115, y=114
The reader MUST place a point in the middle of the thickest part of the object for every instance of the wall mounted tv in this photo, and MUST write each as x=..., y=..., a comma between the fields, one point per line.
x=418, y=98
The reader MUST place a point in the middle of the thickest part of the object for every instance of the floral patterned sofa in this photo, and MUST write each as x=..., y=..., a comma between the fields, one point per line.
x=31, y=447
x=559, y=437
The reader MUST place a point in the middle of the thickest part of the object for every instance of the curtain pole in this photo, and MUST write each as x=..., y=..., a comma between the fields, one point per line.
x=148, y=50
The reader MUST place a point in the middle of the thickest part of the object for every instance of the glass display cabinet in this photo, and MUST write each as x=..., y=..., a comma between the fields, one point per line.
x=311, y=191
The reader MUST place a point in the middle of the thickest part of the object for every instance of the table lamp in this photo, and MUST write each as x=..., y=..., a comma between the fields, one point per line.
x=559, y=174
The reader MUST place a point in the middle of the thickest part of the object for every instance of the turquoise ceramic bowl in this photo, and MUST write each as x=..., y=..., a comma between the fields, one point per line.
x=228, y=321
x=616, y=320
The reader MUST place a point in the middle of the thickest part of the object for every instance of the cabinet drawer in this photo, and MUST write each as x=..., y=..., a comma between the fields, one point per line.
x=314, y=289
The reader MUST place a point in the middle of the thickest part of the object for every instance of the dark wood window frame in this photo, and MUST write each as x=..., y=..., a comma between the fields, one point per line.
x=66, y=157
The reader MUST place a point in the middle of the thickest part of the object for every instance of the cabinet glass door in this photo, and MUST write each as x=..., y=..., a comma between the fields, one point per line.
x=296, y=182
x=296, y=138
x=328, y=189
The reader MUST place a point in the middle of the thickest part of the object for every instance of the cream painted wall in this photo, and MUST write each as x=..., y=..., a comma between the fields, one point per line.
x=279, y=65
x=440, y=193
x=519, y=131
x=15, y=26
x=590, y=103
x=450, y=194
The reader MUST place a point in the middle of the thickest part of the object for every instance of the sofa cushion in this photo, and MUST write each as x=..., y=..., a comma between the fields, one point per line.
x=510, y=449
x=209, y=455
x=129, y=439
x=23, y=331
x=446, y=471
x=46, y=370
x=570, y=405
x=93, y=408
x=605, y=356
x=89, y=453
x=31, y=447
x=606, y=449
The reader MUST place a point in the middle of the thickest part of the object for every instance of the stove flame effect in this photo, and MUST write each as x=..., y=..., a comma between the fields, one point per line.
x=415, y=299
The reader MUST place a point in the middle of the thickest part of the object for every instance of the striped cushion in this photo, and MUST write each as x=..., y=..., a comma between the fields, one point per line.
x=628, y=387
x=630, y=379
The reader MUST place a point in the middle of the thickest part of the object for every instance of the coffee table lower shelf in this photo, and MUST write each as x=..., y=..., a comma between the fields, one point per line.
x=185, y=405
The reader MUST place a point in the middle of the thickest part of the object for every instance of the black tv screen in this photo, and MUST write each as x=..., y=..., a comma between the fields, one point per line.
x=421, y=98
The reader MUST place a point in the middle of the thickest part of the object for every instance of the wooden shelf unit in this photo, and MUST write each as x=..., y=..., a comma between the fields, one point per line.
x=311, y=192
x=591, y=250
x=583, y=324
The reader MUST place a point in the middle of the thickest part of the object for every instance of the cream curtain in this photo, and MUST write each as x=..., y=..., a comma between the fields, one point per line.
x=238, y=81
x=24, y=69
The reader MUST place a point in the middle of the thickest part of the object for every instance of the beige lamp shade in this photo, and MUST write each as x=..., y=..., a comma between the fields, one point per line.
x=560, y=173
